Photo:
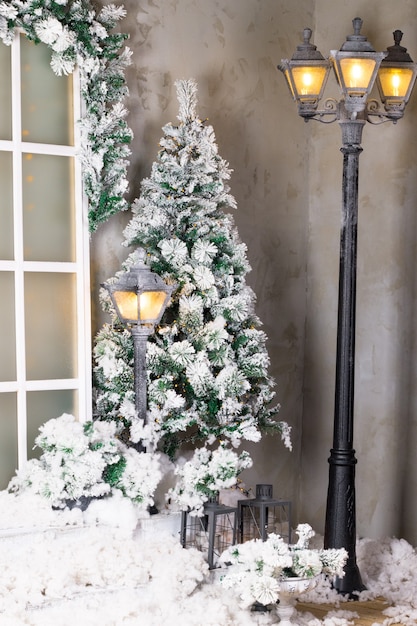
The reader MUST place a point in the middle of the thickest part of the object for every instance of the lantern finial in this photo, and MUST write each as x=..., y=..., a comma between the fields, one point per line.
x=307, y=32
x=398, y=35
x=357, y=25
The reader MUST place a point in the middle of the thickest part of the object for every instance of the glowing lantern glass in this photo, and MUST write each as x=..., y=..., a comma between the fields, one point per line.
x=306, y=74
x=356, y=66
x=396, y=78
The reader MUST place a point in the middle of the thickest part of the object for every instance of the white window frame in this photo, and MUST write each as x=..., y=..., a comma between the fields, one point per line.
x=80, y=268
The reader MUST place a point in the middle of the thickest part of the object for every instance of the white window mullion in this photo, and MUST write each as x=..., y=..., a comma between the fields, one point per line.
x=55, y=384
x=50, y=266
x=49, y=149
x=19, y=254
x=83, y=273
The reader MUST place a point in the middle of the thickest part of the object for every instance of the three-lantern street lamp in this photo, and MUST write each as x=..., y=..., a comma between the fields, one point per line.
x=357, y=67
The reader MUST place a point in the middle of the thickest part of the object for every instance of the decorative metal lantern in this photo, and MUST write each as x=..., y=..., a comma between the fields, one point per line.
x=139, y=296
x=356, y=66
x=396, y=78
x=212, y=533
x=260, y=516
x=306, y=75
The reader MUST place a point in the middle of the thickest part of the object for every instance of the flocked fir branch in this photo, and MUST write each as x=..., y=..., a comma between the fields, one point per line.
x=86, y=461
x=201, y=478
x=80, y=37
x=207, y=363
x=256, y=567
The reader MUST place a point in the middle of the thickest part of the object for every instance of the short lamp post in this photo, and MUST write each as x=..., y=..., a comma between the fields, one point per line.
x=357, y=67
x=139, y=298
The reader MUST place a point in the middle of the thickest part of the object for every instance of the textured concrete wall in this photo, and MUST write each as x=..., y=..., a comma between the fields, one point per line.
x=287, y=183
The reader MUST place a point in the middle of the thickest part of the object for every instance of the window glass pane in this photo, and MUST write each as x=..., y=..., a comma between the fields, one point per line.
x=8, y=438
x=43, y=406
x=48, y=208
x=51, y=326
x=6, y=206
x=5, y=92
x=47, y=115
x=7, y=328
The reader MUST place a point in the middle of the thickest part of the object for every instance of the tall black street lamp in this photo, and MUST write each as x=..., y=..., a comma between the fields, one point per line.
x=139, y=298
x=357, y=66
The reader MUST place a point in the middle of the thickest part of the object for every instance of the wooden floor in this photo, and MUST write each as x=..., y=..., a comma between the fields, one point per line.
x=369, y=612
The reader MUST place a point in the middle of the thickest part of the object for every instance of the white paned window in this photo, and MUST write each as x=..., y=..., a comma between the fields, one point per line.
x=45, y=340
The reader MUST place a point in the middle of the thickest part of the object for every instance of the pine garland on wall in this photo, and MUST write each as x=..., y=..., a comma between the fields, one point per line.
x=80, y=37
x=207, y=364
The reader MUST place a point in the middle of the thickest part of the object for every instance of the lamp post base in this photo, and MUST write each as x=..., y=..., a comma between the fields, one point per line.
x=340, y=531
x=351, y=584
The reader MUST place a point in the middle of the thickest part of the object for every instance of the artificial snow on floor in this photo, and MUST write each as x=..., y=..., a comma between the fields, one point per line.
x=108, y=566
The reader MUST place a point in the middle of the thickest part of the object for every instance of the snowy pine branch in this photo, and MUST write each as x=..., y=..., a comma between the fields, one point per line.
x=79, y=37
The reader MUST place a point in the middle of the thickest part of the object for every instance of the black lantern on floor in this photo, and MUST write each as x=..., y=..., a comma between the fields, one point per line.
x=357, y=66
x=139, y=298
x=262, y=515
x=212, y=533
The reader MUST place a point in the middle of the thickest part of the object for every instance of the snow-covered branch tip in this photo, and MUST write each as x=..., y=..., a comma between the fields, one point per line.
x=187, y=98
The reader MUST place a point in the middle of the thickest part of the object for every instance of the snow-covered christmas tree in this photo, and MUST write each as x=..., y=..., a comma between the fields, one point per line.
x=207, y=363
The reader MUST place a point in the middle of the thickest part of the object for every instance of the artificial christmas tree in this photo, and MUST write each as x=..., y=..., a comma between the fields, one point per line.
x=207, y=364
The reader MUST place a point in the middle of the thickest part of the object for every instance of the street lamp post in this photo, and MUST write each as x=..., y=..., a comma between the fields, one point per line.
x=357, y=66
x=139, y=298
